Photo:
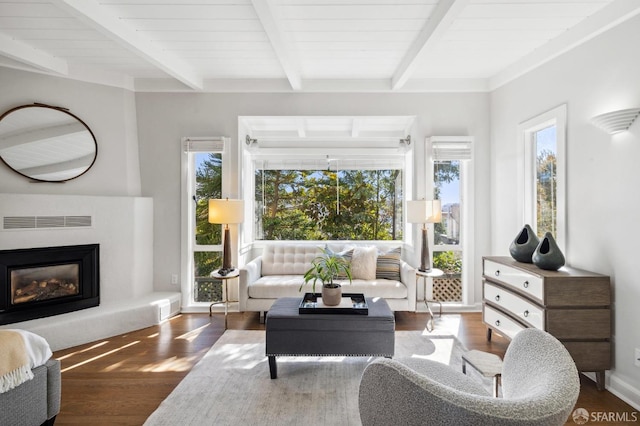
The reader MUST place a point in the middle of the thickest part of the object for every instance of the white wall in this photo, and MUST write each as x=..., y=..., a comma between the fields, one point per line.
x=109, y=192
x=110, y=114
x=603, y=176
x=123, y=226
x=163, y=118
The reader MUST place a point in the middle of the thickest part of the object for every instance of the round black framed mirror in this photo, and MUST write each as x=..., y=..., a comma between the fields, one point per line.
x=46, y=143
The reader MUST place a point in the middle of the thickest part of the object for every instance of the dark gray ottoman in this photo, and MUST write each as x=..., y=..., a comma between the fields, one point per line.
x=292, y=334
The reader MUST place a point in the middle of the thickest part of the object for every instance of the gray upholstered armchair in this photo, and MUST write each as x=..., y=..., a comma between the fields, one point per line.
x=540, y=386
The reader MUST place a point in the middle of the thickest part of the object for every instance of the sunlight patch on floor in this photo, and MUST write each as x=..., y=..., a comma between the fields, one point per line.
x=85, y=362
x=170, y=364
x=447, y=325
x=193, y=334
x=63, y=357
x=443, y=350
x=114, y=367
x=238, y=355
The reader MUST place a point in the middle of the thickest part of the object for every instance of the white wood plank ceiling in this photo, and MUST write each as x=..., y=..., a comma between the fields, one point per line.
x=298, y=45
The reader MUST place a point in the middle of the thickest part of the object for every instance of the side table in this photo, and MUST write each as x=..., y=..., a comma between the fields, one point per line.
x=224, y=278
x=487, y=364
x=432, y=273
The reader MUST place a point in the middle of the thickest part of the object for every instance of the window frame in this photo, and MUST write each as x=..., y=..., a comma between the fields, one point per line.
x=467, y=201
x=251, y=156
x=527, y=158
x=187, y=212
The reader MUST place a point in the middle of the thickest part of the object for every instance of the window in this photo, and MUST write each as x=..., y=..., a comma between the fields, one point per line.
x=452, y=242
x=542, y=178
x=329, y=199
x=545, y=177
x=203, y=167
x=325, y=177
x=329, y=205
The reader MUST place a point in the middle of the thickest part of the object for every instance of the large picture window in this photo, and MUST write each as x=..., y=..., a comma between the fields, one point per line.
x=329, y=204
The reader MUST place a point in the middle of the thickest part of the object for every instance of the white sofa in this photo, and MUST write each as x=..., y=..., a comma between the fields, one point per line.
x=279, y=271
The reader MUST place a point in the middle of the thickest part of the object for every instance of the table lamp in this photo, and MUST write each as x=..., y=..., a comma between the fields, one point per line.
x=226, y=212
x=424, y=211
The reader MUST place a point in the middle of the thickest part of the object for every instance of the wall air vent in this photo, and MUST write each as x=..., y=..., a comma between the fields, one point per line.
x=46, y=222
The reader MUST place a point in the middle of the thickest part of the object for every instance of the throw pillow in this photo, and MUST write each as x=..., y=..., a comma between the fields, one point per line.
x=363, y=263
x=388, y=265
x=347, y=254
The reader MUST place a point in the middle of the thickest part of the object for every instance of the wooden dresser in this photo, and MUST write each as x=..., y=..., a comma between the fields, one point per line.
x=571, y=304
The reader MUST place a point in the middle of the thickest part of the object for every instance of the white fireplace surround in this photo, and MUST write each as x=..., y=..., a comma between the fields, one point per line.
x=123, y=226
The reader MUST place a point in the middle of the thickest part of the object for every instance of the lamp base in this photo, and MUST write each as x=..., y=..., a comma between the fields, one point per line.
x=226, y=253
x=425, y=264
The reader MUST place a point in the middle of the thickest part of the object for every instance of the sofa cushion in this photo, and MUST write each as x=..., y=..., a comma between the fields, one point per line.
x=289, y=259
x=388, y=289
x=363, y=263
x=274, y=286
x=388, y=264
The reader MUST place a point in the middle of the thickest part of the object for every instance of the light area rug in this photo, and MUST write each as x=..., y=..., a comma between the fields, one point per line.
x=231, y=384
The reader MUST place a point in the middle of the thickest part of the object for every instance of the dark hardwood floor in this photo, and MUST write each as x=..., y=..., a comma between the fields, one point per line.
x=121, y=380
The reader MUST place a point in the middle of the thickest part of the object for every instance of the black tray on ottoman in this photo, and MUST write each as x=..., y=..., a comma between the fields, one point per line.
x=352, y=303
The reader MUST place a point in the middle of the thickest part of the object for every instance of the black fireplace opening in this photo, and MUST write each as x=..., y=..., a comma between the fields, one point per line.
x=42, y=282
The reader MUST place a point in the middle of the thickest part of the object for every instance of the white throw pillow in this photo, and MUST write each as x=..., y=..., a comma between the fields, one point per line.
x=363, y=263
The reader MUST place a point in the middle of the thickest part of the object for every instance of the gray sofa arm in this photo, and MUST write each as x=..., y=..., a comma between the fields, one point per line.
x=249, y=273
x=34, y=402
x=53, y=387
x=408, y=278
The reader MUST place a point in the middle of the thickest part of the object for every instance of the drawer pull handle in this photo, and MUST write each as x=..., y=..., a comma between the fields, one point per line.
x=497, y=297
x=526, y=313
x=498, y=273
x=497, y=323
x=525, y=284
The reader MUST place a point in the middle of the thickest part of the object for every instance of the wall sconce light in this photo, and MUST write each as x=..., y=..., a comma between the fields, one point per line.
x=616, y=121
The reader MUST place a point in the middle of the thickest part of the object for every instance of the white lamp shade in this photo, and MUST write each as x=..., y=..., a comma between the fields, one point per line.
x=424, y=211
x=226, y=211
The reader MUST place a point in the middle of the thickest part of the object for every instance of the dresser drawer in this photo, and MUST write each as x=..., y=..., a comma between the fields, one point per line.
x=529, y=284
x=501, y=322
x=519, y=307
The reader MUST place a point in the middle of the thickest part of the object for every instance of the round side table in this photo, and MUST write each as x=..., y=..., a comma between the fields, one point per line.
x=432, y=273
x=225, y=278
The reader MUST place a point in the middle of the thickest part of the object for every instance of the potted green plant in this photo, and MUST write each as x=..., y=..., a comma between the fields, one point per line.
x=325, y=268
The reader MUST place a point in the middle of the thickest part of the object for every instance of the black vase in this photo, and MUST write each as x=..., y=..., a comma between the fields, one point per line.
x=524, y=245
x=548, y=255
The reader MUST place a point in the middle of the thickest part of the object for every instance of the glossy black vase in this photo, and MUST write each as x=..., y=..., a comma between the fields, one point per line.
x=548, y=255
x=524, y=245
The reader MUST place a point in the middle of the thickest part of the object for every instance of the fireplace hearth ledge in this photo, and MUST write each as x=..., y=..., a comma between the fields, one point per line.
x=107, y=320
